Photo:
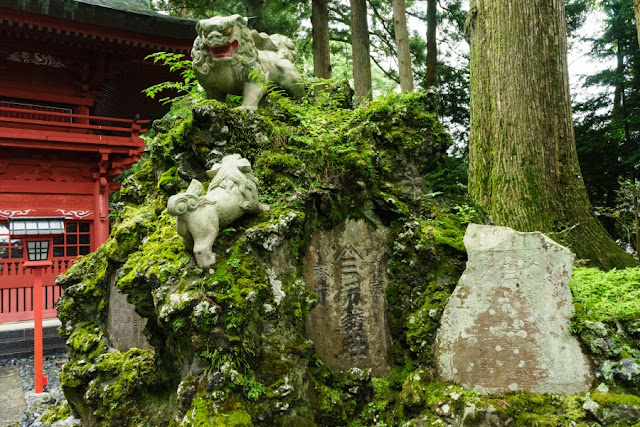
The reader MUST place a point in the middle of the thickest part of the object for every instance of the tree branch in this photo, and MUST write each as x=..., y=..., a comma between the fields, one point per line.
x=387, y=73
x=384, y=40
x=382, y=20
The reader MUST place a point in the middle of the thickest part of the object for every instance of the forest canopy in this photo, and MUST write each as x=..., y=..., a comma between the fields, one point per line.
x=430, y=47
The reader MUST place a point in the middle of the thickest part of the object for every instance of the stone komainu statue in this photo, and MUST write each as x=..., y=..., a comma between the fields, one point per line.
x=226, y=52
x=232, y=192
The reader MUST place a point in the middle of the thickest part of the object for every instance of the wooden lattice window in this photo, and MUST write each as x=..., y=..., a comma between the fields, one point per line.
x=76, y=240
x=10, y=248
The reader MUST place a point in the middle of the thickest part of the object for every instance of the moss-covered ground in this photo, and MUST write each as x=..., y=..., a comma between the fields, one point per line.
x=225, y=351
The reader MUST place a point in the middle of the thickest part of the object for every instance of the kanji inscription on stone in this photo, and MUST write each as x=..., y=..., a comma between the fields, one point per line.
x=506, y=326
x=124, y=326
x=346, y=268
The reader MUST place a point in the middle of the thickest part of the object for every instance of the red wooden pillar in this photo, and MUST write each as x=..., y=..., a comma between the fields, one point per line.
x=84, y=110
x=37, y=330
x=101, y=215
x=101, y=199
x=37, y=266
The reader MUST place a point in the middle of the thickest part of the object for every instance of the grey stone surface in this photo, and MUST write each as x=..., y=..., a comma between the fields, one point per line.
x=627, y=371
x=228, y=58
x=346, y=268
x=600, y=339
x=12, y=401
x=506, y=326
x=125, y=327
x=617, y=414
x=36, y=404
x=233, y=190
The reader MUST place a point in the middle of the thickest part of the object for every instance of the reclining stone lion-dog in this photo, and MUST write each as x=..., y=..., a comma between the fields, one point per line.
x=232, y=192
x=229, y=58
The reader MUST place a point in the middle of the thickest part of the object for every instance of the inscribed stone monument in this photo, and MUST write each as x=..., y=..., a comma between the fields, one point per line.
x=506, y=326
x=346, y=268
x=124, y=326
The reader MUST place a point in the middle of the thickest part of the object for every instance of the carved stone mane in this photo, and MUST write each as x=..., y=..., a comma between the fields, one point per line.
x=232, y=192
x=226, y=52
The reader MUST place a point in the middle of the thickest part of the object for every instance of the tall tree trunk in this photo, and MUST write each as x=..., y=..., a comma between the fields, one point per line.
x=636, y=208
x=523, y=164
x=320, y=36
x=360, y=50
x=620, y=113
x=431, y=79
x=255, y=11
x=402, y=41
x=636, y=7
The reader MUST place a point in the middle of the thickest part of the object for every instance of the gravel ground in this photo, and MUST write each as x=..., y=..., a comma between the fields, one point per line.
x=38, y=403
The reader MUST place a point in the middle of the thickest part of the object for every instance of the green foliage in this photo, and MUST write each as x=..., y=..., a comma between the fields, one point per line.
x=576, y=12
x=162, y=255
x=253, y=389
x=331, y=140
x=87, y=341
x=422, y=274
x=451, y=177
x=608, y=295
x=271, y=16
x=178, y=63
x=228, y=352
x=54, y=413
x=607, y=121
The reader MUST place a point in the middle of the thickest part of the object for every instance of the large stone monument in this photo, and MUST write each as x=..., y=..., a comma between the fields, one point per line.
x=346, y=268
x=233, y=190
x=125, y=327
x=506, y=326
x=229, y=58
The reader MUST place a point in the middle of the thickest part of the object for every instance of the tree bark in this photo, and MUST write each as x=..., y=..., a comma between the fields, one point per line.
x=402, y=41
x=636, y=207
x=255, y=11
x=636, y=8
x=360, y=50
x=621, y=114
x=431, y=78
x=320, y=36
x=523, y=164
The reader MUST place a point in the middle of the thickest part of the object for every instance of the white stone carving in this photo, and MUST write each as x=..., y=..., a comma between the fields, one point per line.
x=232, y=192
x=229, y=58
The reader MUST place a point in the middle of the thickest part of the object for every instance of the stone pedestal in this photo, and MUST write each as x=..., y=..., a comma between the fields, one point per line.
x=346, y=268
x=506, y=326
x=124, y=326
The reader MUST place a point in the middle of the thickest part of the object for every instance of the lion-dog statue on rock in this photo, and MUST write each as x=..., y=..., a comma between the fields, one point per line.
x=228, y=58
x=232, y=192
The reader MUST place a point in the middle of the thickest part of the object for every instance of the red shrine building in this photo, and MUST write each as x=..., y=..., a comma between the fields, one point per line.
x=71, y=116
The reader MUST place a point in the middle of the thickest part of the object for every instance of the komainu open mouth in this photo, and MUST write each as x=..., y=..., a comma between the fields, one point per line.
x=223, y=51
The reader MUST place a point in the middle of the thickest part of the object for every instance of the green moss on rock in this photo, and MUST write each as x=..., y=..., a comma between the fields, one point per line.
x=229, y=343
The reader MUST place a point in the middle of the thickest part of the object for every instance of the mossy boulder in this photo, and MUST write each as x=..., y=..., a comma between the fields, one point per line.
x=229, y=343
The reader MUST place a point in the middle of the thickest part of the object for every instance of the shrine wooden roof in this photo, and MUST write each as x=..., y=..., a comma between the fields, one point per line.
x=113, y=36
x=129, y=20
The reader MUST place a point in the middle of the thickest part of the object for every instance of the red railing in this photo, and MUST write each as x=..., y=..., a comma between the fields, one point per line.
x=35, y=111
x=16, y=289
x=68, y=122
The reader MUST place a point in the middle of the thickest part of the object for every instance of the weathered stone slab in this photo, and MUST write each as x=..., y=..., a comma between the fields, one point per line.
x=346, y=268
x=12, y=402
x=506, y=326
x=125, y=327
